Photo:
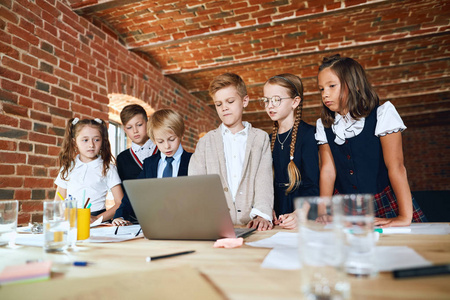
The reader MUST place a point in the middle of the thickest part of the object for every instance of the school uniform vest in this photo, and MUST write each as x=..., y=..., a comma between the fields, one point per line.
x=359, y=161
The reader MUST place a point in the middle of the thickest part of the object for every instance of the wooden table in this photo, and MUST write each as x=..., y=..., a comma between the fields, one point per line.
x=236, y=273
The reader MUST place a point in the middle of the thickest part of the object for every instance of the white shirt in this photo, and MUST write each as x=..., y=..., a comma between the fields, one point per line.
x=175, y=163
x=345, y=127
x=88, y=177
x=144, y=151
x=234, y=146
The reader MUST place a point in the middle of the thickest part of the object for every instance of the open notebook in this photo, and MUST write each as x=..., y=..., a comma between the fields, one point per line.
x=182, y=208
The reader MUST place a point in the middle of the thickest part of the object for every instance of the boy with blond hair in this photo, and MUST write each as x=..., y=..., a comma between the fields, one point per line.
x=239, y=154
x=166, y=130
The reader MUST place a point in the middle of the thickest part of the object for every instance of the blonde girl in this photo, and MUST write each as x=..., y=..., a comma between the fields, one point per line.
x=294, y=149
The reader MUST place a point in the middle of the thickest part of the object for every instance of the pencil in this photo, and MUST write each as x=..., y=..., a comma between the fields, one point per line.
x=61, y=197
x=150, y=258
x=85, y=205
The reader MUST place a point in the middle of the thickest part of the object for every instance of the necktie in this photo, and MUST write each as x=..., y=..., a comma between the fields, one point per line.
x=168, y=169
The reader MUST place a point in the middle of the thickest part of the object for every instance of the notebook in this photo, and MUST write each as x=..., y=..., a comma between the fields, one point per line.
x=182, y=208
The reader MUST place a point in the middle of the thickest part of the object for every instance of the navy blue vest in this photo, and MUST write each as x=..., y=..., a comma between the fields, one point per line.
x=359, y=161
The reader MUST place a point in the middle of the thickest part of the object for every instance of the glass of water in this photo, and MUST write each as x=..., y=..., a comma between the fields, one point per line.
x=56, y=225
x=359, y=235
x=8, y=222
x=71, y=210
x=321, y=248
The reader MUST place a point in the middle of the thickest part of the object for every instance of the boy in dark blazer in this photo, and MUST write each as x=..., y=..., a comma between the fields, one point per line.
x=166, y=129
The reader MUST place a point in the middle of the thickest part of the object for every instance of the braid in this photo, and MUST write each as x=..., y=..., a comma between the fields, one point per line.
x=274, y=135
x=294, y=173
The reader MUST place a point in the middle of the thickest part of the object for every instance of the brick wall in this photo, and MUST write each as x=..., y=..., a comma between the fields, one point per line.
x=427, y=157
x=56, y=65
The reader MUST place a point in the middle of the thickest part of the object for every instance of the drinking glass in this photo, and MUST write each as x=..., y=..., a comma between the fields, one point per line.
x=71, y=209
x=321, y=247
x=358, y=217
x=8, y=222
x=56, y=225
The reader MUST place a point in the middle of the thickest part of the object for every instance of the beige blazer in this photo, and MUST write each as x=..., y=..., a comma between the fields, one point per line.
x=256, y=186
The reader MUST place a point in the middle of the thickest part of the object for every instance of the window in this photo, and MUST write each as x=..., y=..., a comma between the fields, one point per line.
x=117, y=138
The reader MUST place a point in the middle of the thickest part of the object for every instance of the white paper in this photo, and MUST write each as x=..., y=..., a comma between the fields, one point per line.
x=398, y=257
x=387, y=258
x=430, y=228
x=110, y=230
x=97, y=222
x=280, y=239
x=107, y=234
x=26, y=239
x=97, y=235
x=285, y=254
x=282, y=258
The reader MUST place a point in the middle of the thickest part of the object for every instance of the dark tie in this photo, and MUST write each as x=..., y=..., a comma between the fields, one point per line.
x=168, y=169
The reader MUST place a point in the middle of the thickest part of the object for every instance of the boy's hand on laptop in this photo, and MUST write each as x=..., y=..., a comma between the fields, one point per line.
x=260, y=224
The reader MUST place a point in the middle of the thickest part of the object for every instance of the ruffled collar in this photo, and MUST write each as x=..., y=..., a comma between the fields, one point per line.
x=345, y=127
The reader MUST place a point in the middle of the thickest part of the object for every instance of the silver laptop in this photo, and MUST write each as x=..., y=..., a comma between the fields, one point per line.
x=182, y=208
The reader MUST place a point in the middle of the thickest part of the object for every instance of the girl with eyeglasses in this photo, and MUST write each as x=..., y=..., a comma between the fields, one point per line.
x=294, y=148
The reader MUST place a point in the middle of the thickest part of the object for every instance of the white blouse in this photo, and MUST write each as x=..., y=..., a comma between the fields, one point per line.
x=87, y=180
x=345, y=127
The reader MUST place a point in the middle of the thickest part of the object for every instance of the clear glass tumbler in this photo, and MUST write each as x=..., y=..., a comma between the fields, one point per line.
x=321, y=246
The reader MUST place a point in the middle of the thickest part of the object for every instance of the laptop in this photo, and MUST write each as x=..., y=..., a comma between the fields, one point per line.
x=182, y=208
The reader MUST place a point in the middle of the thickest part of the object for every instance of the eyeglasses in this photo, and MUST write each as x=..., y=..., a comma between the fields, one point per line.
x=276, y=101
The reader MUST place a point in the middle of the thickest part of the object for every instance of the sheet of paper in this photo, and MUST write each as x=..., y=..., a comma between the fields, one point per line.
x=110, y=239
x=103, y=234
x=106, y=234
x=26, y=239
x=430, y=228
x=283, y=239
x=388, y=258
x=97, y=222
x=283, y=258
x=398, y=257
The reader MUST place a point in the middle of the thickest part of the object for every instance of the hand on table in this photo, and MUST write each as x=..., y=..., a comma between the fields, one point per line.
x=260, y=224
x=392, y=222
x=288, y=221
x=120, y=222
x=324, y=219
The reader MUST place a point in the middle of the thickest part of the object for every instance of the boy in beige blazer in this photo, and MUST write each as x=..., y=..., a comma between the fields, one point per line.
x=240, y=154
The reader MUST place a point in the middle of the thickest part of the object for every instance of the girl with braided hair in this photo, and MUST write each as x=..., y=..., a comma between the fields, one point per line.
x=294, y=149
x=87, y=168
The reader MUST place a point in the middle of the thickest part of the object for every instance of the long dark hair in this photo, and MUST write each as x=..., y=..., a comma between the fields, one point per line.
x=361, y=99
x=68, y=150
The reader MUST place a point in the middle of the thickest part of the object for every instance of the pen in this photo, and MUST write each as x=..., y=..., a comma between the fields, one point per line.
x=117, y=229
x=85, y=205
x=150, y=258
x=422, y=271
x=81, y=263
x=138, y=231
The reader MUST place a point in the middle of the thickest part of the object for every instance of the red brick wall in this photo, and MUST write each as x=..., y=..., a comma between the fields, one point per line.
x=427, y=157
x=54, y=66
